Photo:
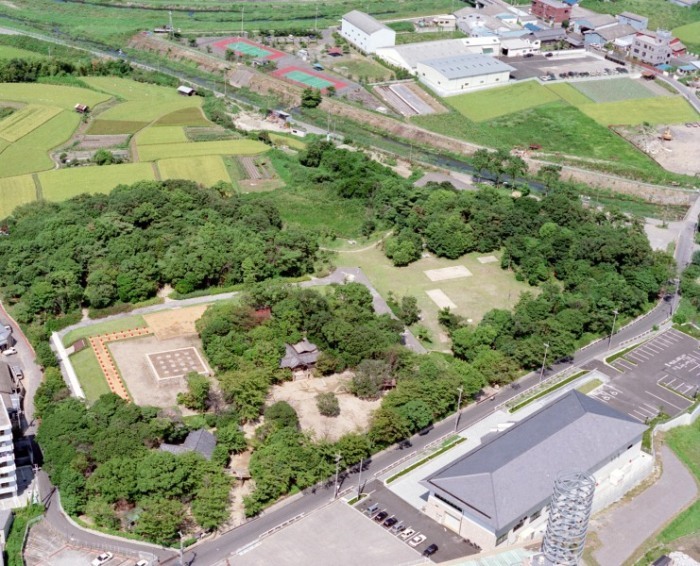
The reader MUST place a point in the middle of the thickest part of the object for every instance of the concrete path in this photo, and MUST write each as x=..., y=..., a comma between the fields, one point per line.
x=625, y=528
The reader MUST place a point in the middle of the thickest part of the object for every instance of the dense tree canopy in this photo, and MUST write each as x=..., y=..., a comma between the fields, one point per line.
x=99, y=249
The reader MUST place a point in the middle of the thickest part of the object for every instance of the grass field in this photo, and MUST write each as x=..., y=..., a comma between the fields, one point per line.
x=112, y=127
x=206, y=170
x=184, y=117
x=690, y=35
x=145, y=111
x=660, y=110
x=685, y=442
x=26, y=120
x=63, y=184
x=569, y=94
x=9, y=52
x=133, y=90
x=489, y=286
x=15, y=191
x=662, y=14
x=613, y=90
x=89, y=374
x=126, y=323
x=51, y=95
x=30, y=153
x=416, y=37
x=161, y=134
x=492, y=103
x=294, y=143
x=357, y=69
x=191, y=149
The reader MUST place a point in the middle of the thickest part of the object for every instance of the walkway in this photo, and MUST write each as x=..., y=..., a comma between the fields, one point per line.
x=625, y=528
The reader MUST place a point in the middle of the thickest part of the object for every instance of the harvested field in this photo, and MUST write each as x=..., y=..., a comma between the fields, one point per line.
x=175, y=322
x=63, y=184
x=206, y=170
x=15, y=191
x=161, y=134
x=115, y=127
x=184, y=117
x=354, y=413
x=91, y=142
x=26, y=120
x=228, y=147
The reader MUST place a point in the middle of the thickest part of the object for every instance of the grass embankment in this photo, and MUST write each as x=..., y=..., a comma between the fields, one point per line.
x=13, y=546
x=449, y=443
x=126, y=323
x=547, y=391
x=586, y=388
x=89, y=373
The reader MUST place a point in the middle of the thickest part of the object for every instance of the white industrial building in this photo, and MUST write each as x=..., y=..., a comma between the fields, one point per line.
x=519, y=46
x=408, y=55
x=8, y=473
x=461, y=73
x=498, y=493
x=366, y=33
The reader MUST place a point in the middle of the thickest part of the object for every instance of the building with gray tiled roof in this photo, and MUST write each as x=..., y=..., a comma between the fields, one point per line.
x=201, y=441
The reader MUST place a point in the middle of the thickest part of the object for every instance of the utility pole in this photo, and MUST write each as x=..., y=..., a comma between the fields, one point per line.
x=460, y=389
x=612, y=330
x=359, y=478
x=182, y=562
x=544, y=361
x=338, y=457
x=316, y=20
x=242, y=15
x=170, y=21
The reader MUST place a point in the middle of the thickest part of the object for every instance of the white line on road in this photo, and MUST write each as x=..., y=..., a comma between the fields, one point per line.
x=664, y=400
x=636, y=417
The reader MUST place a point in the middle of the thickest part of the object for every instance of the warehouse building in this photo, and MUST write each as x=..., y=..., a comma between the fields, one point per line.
x=498, y=494
x=448, y=76
x=366, y=33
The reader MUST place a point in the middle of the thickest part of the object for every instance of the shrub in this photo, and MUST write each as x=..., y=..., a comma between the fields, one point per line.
x=327, y=404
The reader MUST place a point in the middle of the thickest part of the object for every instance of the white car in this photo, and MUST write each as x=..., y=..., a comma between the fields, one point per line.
x=416, y=540
x=407, y=534
x=102, y=558
x=142, y=563
x=9, y=352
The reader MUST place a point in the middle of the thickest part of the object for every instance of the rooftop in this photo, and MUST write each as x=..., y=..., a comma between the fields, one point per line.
x=615, y=32
x=513, y=473
x=364, y=22
x=200, y=441
x=554, y=4
x=412, y=53
x=4, y=416
x=302, y=353
x=469, y=65
x=632, y=16
x=595, y=21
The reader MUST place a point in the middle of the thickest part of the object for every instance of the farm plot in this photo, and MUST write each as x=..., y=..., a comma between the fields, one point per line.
x=51, y=95
x=191, y=116
x=569, y=94
x=66, y=183
x=114, y=127
x=495, y=102
x=15, y=191
x=194, y=149
x=26, y=120
x=659, y=110
x=260, y=175
x=140, y=111
x=30, y=153
x=133, y=90
x=613, y=90
x=206, y=170
x=161, y=134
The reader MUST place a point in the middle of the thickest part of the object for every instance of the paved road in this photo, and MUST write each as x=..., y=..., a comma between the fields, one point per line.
x=630, y=525
x=688, y=93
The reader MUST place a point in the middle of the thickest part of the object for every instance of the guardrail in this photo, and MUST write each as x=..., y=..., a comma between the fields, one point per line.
x=28, y=526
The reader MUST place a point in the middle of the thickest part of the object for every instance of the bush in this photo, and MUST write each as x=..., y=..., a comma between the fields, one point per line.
x=327, y=404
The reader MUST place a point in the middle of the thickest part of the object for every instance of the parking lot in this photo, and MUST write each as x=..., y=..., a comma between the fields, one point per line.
x=450, y=544
x=661, y=375
x=539, y=65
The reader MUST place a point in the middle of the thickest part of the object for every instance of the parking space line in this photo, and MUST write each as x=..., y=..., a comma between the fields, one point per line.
x=648, y=406
x=694, y=355
x=686, y=388
x=663, y=341
x=638, y=354
x=664, y=400
x=637, y=417
x=655, y=349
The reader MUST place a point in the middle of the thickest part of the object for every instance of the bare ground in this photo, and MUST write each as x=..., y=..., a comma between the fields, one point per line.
x=354, y=415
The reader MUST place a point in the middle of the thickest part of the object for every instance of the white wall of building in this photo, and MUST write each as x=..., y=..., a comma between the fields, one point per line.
x=450, y=87
x=368, y=43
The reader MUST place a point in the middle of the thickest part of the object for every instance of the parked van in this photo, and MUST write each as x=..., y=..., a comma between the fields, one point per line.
x=372, y=509
x=16, y=372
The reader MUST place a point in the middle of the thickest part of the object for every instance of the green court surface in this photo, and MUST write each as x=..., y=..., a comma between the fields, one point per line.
x=307, y=79
x=247, y=49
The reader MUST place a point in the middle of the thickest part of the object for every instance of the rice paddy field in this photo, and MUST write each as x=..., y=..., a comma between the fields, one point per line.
x=63, y=184
x=206, y=170
x=160, y=135
x=65, y=97
x=28, y=119
x=15, y=191
x=196, y=149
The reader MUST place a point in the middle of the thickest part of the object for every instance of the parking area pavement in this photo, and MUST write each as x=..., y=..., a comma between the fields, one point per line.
x=450, y=544
x=661, y=375
x=540, y=65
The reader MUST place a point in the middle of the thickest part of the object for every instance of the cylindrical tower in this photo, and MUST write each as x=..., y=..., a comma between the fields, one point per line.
x=569, y=512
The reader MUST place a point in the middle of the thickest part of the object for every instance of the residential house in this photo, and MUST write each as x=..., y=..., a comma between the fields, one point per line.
x=551, y=10
x=8, y=474
x=366, y=33
x=652, y=48
x=635, y=20
x=621, y=35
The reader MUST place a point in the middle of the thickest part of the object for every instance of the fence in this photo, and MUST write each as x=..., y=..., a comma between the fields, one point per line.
x=685, y=419
x=28, y=526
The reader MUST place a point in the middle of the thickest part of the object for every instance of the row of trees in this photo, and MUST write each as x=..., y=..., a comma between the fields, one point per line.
x=97, y=250
x=105, y=461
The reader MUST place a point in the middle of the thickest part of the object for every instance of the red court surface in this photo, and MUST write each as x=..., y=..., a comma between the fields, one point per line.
x=247, y=47
x=307, y=78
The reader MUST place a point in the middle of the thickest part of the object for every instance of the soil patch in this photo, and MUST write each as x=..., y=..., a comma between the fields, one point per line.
x=175, y=322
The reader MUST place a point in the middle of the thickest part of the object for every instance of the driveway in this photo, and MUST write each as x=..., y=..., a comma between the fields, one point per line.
x=626, y=527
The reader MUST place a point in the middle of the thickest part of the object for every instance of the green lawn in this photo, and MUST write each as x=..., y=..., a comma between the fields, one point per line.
x=15, y=191
x=30, y=153
x=685, y=442
x=492, y=103
x=193, y=149
x=89, y=373
x=614, y=90
x=161, y=134
x=51, y=95
x=586, y=388
x=206, y=170
x=63, y=184
x=125, y=323
x=489, y=286
x=9, y=52
x=660, y=110
x=356, y=69
x=416, y=37
x=690, y=35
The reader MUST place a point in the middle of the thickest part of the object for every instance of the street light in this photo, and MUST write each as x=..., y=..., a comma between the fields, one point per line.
x=459, y=406
x=544, y=361
x=612, y=330
x=338, y=457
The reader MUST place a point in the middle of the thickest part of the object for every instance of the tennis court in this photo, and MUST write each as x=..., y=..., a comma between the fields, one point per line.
x=308, y=78
x=247, y=48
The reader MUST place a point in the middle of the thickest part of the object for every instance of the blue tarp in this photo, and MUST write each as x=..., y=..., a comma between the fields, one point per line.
x=532, y=27
x=664, y=67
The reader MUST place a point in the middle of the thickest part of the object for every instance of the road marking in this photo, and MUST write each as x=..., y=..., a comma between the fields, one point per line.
x=655, y=349
x=664, y=400
x=686, y=388
x=655, y=409
x=646, y=412
x=636, y=417
x=637, y=354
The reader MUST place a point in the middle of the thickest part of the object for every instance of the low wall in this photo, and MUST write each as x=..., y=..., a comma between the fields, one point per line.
x=67, y=370
x=681, y=420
